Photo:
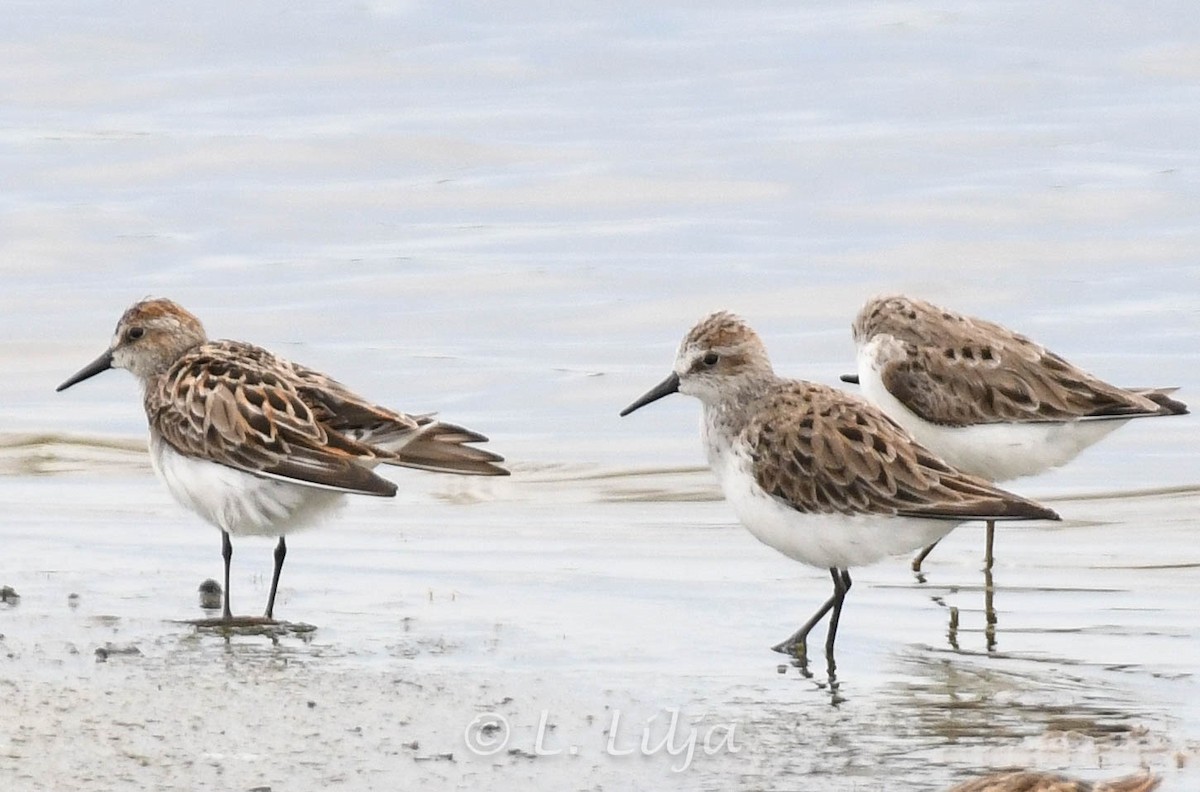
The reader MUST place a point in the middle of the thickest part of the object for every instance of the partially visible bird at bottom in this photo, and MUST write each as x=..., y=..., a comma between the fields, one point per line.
x=1031, y=781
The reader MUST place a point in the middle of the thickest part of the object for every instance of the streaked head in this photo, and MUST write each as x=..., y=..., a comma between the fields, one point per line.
x=150, y=336
x=716, y=357
x=882, y=314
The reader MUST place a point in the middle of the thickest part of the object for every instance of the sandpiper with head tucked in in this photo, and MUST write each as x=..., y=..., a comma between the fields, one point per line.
x=987, y=400
x=256, y=444
x=1031, y=781
x=818, y=474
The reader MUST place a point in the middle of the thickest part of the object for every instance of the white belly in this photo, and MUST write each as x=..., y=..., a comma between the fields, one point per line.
x=997, y=452
x=237, y=502
x=820, y=540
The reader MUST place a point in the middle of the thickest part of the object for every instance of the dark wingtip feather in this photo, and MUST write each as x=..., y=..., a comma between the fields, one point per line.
x=1170, y=406
x=445, y=448
x=348, y=476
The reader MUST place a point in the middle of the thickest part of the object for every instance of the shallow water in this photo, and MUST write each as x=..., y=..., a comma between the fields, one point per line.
x=510, y=214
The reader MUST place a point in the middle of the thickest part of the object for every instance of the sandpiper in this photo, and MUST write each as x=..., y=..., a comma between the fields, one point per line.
x=818, y=474
x=256, y=444
x=1028, y=781
x=987, y=400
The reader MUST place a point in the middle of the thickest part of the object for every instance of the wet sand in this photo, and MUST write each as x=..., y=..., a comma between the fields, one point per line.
x=586, y=621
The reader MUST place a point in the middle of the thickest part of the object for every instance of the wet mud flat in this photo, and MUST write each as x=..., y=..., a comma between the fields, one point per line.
x=610, y=635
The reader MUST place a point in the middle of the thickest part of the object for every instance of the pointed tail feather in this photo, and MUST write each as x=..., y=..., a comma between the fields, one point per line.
x=1162, y=397
x=444, y=448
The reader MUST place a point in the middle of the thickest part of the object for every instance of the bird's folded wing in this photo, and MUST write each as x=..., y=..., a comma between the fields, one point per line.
x=957, y=370
x=229, y=409
x=823, y=451
x=414, y=441
x=960, y=383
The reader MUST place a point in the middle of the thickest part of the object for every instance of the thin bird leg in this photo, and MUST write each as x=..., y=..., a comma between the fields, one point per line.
x=921, y=556
x=227, y=554
x=988, y=556
x=797, y=645
x=280, y=554
x=841, y=584
x=989, y=609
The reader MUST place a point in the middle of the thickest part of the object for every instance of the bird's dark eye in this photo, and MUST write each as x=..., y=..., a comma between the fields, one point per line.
x=135, y=333
x=711, y=359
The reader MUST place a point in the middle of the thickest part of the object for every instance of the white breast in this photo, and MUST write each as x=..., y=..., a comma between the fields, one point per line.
x=820, y=540
x=238, y=502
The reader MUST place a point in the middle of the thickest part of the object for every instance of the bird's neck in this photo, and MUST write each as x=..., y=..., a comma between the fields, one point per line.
x=728, y=412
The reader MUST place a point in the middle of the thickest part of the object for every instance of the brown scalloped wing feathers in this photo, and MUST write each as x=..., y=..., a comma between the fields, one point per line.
x=823, y=451
x=220, y=402
x=957, y=370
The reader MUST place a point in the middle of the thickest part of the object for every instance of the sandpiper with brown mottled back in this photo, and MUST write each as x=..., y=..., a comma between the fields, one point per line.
x=258, y=445
x=1034, y=781
x=818, y=474
x=989, y=401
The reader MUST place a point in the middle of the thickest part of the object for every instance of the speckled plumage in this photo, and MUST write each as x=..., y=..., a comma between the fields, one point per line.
x=823, y=451
x=239, y=405
x=957, y=370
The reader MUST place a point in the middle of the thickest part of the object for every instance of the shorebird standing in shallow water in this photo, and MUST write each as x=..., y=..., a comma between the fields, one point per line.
x=818, y=474
x=1026, y=781
x=259, y=445
x=987, y=400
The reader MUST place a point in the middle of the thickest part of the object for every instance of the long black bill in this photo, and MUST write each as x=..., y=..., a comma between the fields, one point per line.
x=665, y=388
x=851, y=378
x=102, y=363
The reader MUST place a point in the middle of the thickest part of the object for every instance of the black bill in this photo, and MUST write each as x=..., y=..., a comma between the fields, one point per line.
x=665, y=388
x=102, y=363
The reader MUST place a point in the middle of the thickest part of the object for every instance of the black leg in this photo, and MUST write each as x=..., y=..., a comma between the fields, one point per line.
x=991, y=538
x=921, y=556
x=227, y=554
x=841, y=584
x=280, y=554
x=797, y=645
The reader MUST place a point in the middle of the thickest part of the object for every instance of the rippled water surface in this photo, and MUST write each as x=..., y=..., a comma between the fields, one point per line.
x=510, y=213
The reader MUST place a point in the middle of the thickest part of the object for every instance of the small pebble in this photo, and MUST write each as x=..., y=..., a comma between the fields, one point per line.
x=210, y=595
x=72, y=600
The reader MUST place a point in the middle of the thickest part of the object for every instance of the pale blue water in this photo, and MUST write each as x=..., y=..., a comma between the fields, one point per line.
x=511, y=213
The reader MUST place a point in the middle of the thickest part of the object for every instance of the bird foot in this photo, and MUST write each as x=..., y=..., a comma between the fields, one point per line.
x=249, y=625
x=797, y=650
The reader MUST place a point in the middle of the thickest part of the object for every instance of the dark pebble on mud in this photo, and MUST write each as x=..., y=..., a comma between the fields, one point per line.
x=210, y=595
